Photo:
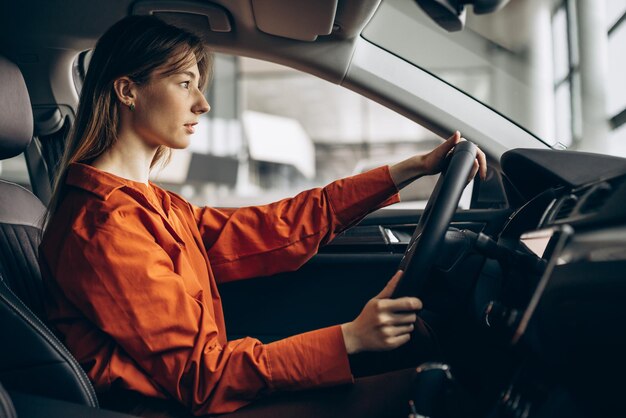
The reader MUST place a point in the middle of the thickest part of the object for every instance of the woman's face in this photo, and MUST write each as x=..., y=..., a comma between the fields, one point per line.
x=168, y=108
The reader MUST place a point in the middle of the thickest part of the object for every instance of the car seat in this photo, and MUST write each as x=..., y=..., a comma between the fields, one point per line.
x=32, y=359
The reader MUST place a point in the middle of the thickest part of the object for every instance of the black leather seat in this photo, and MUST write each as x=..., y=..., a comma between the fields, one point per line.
x=32, y=359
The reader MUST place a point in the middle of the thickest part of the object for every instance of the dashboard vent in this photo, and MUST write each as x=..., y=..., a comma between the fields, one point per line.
x=566, y=207
x=595, y=198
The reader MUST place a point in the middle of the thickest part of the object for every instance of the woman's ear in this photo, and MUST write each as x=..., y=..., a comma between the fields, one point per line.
x=125, y=90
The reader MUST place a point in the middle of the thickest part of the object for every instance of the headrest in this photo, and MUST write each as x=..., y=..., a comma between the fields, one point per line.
x=16, y=115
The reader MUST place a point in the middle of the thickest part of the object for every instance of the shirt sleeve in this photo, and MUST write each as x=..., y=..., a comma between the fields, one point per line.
x=128, y=289
x=265, y=240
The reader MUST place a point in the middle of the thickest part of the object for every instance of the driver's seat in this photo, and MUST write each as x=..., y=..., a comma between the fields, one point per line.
x=32, y=359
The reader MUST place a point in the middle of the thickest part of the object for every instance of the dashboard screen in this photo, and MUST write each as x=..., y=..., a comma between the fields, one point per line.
x=537, y=241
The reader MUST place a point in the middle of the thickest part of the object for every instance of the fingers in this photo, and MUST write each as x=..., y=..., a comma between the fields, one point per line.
x=395, y=312
x=394, y=331
x=472, y=174
x=480, y=166
x=454, y=138
x=395, y=319
x=447, y=146
x=482, y=163
x=390, y=286
x=405, y=304
x=404, y=318
x=395, y=342
x=393, y=337
x=383, y=324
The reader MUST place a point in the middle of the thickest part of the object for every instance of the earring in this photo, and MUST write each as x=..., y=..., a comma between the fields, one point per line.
x=132, y=107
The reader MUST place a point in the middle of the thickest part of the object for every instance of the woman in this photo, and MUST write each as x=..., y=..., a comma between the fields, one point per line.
x=132, y=270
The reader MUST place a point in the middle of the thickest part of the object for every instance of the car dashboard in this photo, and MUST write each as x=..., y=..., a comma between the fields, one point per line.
x=557, y=302
x=542, y=333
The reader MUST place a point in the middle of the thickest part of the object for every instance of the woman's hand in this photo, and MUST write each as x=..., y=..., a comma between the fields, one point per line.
x=384, y=323
x=410, y=169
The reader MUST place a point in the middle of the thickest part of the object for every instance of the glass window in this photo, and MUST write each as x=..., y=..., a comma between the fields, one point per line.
x=572, y=23
x=274, y=131
x=564, y=114
x=560, y=46
x=510, y=52
x=614, y=10
x=568, y=117
x=617, y=141
x=617, y=69
x=577, y=111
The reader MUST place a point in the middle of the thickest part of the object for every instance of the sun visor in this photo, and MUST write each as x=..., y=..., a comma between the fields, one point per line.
x=302, y=20
x=189, y=15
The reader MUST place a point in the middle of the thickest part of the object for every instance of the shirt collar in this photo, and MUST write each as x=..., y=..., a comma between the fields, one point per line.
x=103, y=184
x=98, y=182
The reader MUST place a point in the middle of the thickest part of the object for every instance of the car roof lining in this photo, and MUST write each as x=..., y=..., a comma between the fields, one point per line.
x=62, y=25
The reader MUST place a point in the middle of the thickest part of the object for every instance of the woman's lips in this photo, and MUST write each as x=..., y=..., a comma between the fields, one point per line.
x=190, y=127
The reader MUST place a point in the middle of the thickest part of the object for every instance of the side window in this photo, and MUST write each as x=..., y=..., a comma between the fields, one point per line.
x=274, y=131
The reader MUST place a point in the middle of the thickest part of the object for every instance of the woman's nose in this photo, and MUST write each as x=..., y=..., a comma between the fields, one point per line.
x=202, y=106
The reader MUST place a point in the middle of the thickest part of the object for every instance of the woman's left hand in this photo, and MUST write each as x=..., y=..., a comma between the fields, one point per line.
x=410, y=169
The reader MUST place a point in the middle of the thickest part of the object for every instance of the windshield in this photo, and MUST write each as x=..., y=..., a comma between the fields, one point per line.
x=552, y=68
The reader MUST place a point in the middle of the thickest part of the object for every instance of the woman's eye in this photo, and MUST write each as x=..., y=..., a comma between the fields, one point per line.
x=185, y=84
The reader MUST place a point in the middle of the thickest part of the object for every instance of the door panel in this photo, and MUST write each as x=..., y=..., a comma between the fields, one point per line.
x=333, y=286
x=330, y=289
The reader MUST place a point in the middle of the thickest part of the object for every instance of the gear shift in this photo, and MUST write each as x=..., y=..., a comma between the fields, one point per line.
x=432, y=382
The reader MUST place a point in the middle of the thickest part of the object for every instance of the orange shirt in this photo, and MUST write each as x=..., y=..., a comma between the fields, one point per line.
x=132, y=273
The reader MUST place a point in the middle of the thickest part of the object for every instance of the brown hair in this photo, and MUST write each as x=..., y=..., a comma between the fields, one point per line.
x=134, y=47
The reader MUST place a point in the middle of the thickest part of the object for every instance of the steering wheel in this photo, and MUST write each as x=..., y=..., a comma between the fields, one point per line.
x=426, y=241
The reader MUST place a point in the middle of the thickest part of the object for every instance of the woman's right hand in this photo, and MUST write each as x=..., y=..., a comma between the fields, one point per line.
x=384, y=323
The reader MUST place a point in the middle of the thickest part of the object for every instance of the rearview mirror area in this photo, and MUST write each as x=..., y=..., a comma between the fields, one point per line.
x=450, y=14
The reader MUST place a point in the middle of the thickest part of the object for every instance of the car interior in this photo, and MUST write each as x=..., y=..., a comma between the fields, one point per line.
x=525, y=287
